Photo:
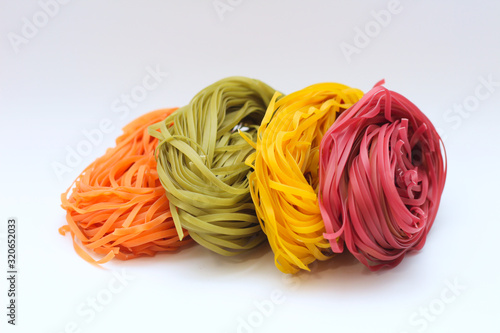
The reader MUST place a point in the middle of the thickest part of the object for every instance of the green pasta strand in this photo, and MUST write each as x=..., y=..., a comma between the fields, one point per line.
x=201, y=163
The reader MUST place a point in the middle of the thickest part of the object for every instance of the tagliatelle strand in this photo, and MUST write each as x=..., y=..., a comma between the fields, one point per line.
x=201, y=164
x=117, y=206
x=284, y=182
x=382, y=173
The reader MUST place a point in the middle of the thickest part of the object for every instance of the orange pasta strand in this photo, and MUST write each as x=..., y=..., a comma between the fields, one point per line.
x=117, y=206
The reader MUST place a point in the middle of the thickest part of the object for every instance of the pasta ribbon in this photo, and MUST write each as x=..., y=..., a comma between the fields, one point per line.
x=201, y=164
x=284, y=182
x=117, y=206
x=382, y=173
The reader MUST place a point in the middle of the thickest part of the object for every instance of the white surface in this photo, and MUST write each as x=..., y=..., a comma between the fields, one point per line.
x=65, y=79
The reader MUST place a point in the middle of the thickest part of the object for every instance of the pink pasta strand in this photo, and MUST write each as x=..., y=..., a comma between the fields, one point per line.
x=382, y=172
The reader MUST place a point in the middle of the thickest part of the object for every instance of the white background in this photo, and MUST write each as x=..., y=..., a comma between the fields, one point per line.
x=65, y=77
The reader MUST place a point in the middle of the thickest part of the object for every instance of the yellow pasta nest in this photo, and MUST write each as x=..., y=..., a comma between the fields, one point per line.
x=284, y=183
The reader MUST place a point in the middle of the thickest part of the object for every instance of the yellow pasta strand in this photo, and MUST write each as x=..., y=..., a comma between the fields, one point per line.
x=284, y=183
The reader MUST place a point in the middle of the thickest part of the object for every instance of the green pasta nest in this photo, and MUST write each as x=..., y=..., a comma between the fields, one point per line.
x=201, y=163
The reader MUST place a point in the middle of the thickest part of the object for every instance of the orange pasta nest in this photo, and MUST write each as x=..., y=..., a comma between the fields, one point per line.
x=117, y=206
